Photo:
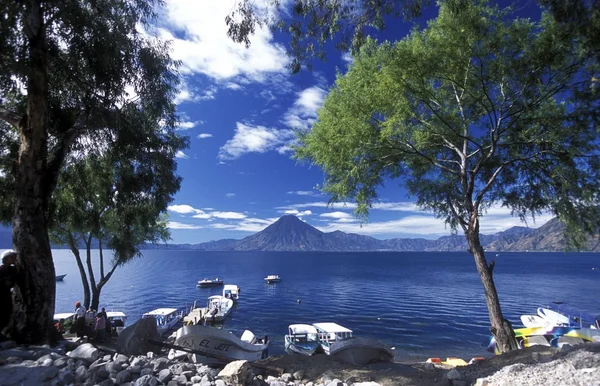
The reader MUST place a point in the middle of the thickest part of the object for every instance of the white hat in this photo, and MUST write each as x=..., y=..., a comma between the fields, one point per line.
x=8, y=252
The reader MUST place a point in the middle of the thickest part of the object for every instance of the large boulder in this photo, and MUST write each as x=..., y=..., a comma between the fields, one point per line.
x=133, y=340
x=236, y=373
x=86, y=352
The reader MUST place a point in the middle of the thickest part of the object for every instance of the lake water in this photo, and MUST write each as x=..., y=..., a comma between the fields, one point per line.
x=423, y=304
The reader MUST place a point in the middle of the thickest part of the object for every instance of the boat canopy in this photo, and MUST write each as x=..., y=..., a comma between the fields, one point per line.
x=231, y=287
x=115, y=314
x=161, y=312
x=302, y=329
x=331, y=328
x=64, y=315
x=585, y=317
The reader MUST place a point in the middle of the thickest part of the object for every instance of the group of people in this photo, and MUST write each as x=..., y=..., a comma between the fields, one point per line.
x=91, y=324
x=8, y=279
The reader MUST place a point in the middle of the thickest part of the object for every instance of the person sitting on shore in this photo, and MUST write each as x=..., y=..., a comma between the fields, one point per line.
x=8, y=279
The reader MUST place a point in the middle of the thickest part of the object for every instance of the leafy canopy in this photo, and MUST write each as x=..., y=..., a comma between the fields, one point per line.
x=478, y=108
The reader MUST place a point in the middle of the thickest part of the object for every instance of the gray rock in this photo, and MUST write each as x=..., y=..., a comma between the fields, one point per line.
x=164, y=375
x=180, y=379
x=135, y=369
x=113, y=367
x=277, y=383
x=147, y=380
x=80, y=374
x=205, y=383
x=236, y=372
x=120, y=358
x=299, y=375
x=429, y=366
x=106, y=382
x=197, y=379
x=160, y=364
x=138, y=361
x=287, y=377
x=366, y=384
x=220, y=382
x=47, y=362
x=67, y=377
x=172, y=383
x=133, y=339
x=48, y=372
x=123, y=376
x=150, y=354
x=86, y=352
x=188, y=374
x=335, y=382
x=8, y=344
x=460, y=382
x=60, y=362
x=145, y=371
x=107, y=357
x=97, y=364
x=454, y=375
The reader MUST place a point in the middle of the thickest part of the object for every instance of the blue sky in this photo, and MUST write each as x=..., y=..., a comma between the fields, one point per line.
x=239, y=107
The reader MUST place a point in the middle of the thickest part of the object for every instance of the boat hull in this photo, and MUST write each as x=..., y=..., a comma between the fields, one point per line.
x=359, y=351
x=302, y=348
x=60, y=277
x=220, y=346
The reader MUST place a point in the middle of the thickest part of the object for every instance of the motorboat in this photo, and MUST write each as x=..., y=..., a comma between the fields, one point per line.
x=217, y=346
x=206, y=283
x=575, y=316
x=218, y=308
x=231, y=291
x=272, y=279
x=337, y=341
x=302, y=339
x=166, y=318
x=60, y=277
x=535, y=321
x=117, y=320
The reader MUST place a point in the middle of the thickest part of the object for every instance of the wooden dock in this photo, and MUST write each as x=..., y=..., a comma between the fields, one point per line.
x=195, y=315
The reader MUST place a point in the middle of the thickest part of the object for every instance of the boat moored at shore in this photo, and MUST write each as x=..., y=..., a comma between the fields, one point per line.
x=217, y=346
x=338, y=342
x=302, y=339
x=117, y=321
x=218, y=308
x=166, y=318
x=231, y=291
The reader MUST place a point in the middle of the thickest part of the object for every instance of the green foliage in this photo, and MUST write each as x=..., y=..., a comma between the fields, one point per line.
x=312, y=24
x=478, y=108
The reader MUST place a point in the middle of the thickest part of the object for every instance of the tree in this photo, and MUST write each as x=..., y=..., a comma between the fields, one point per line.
x=313, y=24
x=68, y=69
x=119, y=202
x=479, y=108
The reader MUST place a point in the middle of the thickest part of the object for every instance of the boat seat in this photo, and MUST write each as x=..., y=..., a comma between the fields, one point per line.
x=248, y=337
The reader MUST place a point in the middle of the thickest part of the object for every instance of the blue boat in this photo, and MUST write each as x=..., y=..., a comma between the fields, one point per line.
x=302, y=339
x=577, y=317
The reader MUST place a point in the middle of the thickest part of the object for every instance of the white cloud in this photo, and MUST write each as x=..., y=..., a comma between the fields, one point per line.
x=233, y=86
x=347, y=57
x=199, y=38
x=298, y=213
x=304, y=111
x=180, y=225
x=186, y=125
x=254, y=139
x=384, y=206
x=183, y=209
x=204, y=135
x=228, y=215
x=230, y=195
x=181, y=155
x=252, y=225
x=304, y=193
x=337, y=215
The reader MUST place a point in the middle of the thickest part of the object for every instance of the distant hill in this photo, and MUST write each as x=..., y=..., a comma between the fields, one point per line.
x=289, y=233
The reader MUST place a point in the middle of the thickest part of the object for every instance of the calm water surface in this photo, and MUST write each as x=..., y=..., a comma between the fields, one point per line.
x=423, y=304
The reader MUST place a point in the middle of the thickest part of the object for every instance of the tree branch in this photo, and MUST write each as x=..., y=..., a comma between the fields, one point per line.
x=57, y=158
x=10, y=117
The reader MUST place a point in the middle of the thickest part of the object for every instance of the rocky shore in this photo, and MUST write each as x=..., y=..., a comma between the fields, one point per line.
x=86, y=364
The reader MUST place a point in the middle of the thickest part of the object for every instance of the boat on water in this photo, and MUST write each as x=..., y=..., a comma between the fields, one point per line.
x=205, y=283
x=218, y=308
x=302, y=339
x=218, y=346
x=117, y=320
x=272, y=279
x=231, y=291
x=575, y=316
x=60, y=277
x=535, y=321
x=166, y=318
x=338, y=342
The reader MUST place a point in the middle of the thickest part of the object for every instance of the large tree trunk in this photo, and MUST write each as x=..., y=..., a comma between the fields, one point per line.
x=500, y=327
x=35, y=290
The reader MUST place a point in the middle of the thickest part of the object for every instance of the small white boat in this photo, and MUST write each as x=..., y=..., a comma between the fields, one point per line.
x=60, y=277
x=533, y=321
x=220, y=346
x=231, y=291
x=218, y=308
x=338, y=342
x=166, y=318
x=552, y=317
x=272, y=279
x=117, y=320
x=205, y=283
x=302, y=339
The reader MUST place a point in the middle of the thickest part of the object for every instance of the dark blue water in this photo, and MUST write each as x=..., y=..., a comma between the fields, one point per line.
x=423, y=304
